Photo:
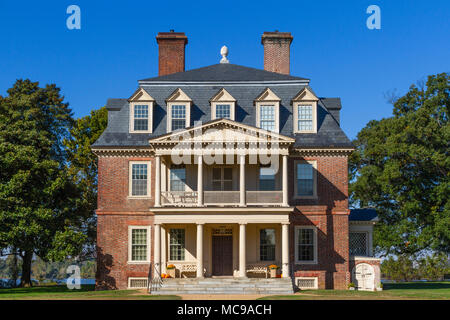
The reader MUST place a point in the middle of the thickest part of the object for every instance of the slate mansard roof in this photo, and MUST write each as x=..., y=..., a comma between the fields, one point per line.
x=245, y=85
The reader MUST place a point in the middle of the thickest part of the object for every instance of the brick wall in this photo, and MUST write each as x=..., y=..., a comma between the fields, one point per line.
x=113, y=269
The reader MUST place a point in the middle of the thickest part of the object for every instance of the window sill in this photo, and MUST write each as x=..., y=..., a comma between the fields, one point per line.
x=140, y=131
x=140, y=197
x=138, y=262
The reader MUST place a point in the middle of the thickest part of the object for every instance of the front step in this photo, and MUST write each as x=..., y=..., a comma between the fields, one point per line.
x=225, y=286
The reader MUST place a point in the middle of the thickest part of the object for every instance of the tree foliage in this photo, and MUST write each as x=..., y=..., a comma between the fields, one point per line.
x=401, y=167
x=38, y=211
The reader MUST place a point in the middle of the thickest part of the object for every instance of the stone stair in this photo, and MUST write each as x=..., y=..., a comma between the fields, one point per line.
x=225, y=286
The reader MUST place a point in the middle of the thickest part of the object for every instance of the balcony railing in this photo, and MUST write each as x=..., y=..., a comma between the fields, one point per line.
x=220, y=198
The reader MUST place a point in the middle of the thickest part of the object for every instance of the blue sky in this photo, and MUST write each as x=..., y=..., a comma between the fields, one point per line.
x=332, y=46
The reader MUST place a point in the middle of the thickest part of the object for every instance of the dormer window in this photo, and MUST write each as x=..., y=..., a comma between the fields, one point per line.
x=141, y=112
x=222, y=105
x=305, y=112
x=178, y=111
x=268, y=111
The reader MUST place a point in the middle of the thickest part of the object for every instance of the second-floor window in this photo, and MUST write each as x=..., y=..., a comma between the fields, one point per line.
x=177, y=244
x=139, y=180
x=305, y=174
x=178, y=117
x=266, y=179
x=223, y=111
x=177, y=178
x=222, y=179
x=267, y=117
x=267, y=244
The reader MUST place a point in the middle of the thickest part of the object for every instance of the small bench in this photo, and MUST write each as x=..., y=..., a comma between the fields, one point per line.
x=258, y=268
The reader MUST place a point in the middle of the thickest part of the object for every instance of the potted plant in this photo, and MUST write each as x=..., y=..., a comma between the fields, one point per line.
x=171, y=270
x=351, y=286
x=273, y=270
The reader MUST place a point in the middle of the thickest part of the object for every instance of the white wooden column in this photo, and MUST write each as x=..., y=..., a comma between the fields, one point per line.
x=285, y=250
x=242, y=251
x=157, y=253
x=158, y=181
x=200, y=181
x=199, y=250
x=242, y=181
x=163, y=249
x=285, y=181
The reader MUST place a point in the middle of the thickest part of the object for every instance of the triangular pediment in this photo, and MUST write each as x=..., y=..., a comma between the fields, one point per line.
x=222, y=96
x=140, y=95
x=305, y=94
x=178, y=96
x=267, y=95
x=222, y=130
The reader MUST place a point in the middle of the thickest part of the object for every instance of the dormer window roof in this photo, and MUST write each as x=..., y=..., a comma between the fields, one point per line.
x=268, y=111
x=141, y=112
x=304, y=106
x=178, y=110
x=223, y=105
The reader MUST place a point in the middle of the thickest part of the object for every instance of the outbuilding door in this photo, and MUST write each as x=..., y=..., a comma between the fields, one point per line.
x=364, y=277
x=222, y=255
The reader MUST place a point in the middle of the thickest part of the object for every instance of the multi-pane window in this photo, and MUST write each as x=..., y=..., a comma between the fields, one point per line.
x=358, y=243
x=305, y=118
x=139, y=244
x=267, y=244
x=305, y=179
x=305, y=244
x=223, y=111
x=178, y=117
x=222, y=179
x=266, y=179
x=177, y=244
x=140, y=114
x=177, y=178
x=267, y=117
x=139, y=181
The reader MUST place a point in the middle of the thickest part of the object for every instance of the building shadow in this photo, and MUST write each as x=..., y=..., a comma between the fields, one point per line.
x=103, y=280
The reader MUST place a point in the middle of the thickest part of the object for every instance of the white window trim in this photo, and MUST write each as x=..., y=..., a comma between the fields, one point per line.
x=364, y=228
x=169, y=261
x=276, y=105
x=130, y=230
x=258, y=179
x=169, y=182
x=230, y=103
x=367, y=242
x=314, y=116
x=150, y=116
x=258, y=252
x=314, y=164
x=130, y=180
x=169, y=113
x=297, y=261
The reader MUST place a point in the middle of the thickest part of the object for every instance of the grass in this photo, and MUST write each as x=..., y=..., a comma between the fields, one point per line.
x=391, y=291
x=61, y=292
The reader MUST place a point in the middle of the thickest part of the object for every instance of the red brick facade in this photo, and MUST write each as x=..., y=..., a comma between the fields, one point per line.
x=329, y=213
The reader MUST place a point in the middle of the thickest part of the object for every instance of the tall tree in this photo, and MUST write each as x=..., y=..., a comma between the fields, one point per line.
x=83, y=169
x=401, y=166
x=37, y=211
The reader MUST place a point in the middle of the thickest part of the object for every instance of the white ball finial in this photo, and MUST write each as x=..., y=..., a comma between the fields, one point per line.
x=224, y=53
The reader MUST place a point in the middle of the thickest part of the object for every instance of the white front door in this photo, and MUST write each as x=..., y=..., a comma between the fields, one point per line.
x=363, y=276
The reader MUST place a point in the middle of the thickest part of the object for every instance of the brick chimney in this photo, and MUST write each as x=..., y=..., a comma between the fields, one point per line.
x=276, y=51
x=171, y=51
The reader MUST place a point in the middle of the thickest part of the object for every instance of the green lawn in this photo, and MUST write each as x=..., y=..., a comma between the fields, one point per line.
x=86, y=292
x=392, y=291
